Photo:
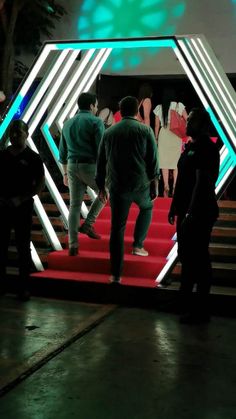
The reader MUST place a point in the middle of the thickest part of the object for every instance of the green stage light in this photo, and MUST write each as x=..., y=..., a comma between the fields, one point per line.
x=129, y=18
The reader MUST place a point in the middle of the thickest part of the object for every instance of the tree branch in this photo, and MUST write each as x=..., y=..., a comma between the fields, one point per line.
x=3, y=16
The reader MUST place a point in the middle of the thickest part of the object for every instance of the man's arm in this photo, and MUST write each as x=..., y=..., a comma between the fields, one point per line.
x=98, y=134
x=101, y=166
x=63, y=157
x=38, y=184
x=152, y=160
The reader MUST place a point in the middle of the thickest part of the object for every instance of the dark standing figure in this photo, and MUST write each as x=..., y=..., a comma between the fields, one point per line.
x=22, y=177
x=80, y=139
x=128, y=159
x=195, y=205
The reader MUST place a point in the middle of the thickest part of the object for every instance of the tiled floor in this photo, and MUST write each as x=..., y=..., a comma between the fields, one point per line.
x=90, y=361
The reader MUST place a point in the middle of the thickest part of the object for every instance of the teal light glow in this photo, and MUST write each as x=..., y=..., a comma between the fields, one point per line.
x=129, y=18
x=126, y=43
x=12, y=111
x=226, y=164
x=51, y=141
x=222, y=135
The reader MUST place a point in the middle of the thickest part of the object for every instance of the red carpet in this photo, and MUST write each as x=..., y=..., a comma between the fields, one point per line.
x=92, y=263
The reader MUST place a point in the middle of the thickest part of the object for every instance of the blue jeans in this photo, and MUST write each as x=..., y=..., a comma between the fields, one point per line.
x=81, y=175
x=120, y=205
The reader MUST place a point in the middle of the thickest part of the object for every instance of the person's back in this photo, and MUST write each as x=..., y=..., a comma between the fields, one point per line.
x=82, y=134
x=127, y=159
x=131, y=161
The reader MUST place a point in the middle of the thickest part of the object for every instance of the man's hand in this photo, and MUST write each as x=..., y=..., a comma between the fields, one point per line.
x=171, y=218
x=103, y=195
x=65, y=179
x=154, y=189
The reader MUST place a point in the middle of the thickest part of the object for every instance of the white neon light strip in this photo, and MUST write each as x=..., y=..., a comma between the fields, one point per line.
x=224, y=179
x=191, y=78
x=222, y=79
x=46, y=101
x=59, y=104
x=90, y=80
x=43, y=88
x=35, y=258
x=41, y=211
x=216, y=92
x=46, y=50
x=13, y=109
x=69, y=87
x=220, y=86
x=168, y=265
x=79, y=89
x=206, y=89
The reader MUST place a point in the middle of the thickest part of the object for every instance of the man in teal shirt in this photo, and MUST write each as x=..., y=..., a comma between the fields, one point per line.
x=80, y=139
x=128, y=164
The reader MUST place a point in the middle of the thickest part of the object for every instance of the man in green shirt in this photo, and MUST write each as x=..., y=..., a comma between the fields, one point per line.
x=128, y=163
x=80, y=139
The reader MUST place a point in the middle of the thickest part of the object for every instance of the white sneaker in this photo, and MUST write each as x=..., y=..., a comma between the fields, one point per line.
x=115, y=279
x=139, y=251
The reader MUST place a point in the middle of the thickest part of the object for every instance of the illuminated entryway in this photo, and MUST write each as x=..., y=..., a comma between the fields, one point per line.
x=69, y=67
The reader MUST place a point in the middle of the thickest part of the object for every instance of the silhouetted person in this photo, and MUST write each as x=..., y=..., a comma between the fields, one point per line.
x=128, y=159
x=195, y=205
x=80, y=139
x=21, y=177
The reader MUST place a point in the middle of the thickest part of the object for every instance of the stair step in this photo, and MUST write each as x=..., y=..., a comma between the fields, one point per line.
x=226, y=204
x=87, y=261
x=93, y=277
x=155, y=247
x=215, y=289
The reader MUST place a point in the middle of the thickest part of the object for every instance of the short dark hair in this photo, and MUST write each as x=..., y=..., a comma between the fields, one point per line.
x=16, y=123
x=129, y=106
x=86, y=99
x=202, y=116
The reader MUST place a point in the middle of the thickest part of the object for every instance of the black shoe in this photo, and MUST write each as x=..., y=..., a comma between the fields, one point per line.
x=23, y=295
x=192, y=318
x=73, y=251
x=89, y=230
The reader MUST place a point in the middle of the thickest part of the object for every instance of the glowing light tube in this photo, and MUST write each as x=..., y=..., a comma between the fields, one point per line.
x=217, y=82
x=80, y=88
x=26, y=85
x=57, y=196
x=43, y=87
x=168, y=266
x=49, y=96
x=215, y=92
x=90, y=77
x=214, y=102
x=35, y=258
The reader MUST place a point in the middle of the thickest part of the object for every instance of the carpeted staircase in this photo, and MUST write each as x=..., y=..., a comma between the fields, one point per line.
x=92, y=263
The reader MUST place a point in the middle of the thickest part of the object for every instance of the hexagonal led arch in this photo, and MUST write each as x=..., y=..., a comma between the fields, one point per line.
x=73, y=68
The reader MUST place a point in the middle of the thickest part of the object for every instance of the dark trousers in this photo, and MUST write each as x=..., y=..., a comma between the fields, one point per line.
x=193, y=237
x=19, y=219
x=120, y=205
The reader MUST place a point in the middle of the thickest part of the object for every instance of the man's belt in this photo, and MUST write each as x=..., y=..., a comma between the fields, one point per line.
x=81, y=161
